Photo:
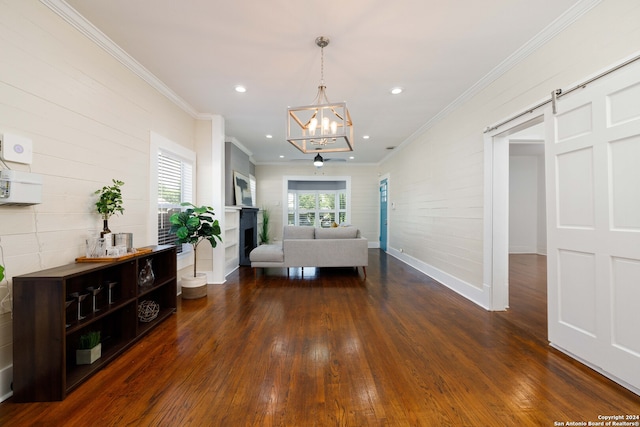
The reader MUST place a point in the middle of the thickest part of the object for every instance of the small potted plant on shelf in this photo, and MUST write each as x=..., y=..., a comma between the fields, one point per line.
x=109, y=203
x=89, y=349
x=193, y=226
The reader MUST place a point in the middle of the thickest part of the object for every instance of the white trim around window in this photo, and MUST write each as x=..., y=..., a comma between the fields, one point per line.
x=159, y=143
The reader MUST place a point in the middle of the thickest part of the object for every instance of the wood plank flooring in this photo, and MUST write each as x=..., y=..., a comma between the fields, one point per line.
x=331, y=349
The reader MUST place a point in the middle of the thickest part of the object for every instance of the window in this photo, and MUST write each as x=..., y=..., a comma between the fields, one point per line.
x=172, y=172
x=318, y=208
x=175, y=185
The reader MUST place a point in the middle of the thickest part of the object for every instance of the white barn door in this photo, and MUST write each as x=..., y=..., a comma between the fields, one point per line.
x=593, y=219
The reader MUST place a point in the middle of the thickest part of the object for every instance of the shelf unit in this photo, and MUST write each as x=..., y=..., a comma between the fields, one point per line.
x=231, y=238
x=46, y=331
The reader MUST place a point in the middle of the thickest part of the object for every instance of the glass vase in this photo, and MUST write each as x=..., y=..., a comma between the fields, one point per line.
x=146, y=276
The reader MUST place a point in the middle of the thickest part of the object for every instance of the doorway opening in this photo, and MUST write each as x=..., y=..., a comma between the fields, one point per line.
x=527, y=261
x=383, y=184
x=515, y=211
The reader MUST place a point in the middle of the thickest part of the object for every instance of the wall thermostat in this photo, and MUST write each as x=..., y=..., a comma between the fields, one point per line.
x=16, y=148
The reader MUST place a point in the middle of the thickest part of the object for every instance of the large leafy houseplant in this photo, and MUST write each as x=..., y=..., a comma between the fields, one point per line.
x=110, y=201
x=195, y=225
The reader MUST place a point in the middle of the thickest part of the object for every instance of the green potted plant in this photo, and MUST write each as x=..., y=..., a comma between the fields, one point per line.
x=264, y=227
x=89, y=348
x=109, y=202
x=193, y=226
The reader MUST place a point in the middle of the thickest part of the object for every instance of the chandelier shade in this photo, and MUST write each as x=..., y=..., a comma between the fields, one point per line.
x=322, y=126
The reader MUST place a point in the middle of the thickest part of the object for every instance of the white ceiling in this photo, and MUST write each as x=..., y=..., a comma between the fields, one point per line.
x=436, y=50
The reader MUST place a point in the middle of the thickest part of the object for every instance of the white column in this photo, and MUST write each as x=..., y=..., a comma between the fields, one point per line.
x=210, y=189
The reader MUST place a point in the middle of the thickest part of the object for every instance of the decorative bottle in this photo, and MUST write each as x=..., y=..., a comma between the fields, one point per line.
x=106, y=235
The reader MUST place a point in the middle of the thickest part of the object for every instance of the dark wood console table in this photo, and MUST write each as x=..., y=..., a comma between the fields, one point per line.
x=46, y=331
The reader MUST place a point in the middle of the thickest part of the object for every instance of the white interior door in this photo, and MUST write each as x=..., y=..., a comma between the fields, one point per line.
x=593, y=219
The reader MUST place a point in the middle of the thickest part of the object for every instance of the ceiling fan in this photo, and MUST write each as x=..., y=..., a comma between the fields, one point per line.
x=318, y=161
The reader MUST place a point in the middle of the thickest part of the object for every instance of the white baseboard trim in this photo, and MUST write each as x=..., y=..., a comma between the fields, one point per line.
x=210, y=278
x=6, y=378
x=528, y=251
x=482, y=297
x=523, y=250
x=231, y=270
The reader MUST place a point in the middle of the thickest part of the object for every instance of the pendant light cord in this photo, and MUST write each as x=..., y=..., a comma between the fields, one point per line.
x=322, y=65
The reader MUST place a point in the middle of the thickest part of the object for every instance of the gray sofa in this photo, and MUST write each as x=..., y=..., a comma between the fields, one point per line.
x=314, y=247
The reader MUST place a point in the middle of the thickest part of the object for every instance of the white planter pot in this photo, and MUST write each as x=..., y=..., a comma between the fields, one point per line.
x=194, y=287
x=88, y=356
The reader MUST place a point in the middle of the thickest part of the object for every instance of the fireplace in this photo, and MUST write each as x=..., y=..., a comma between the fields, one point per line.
x=248, y=233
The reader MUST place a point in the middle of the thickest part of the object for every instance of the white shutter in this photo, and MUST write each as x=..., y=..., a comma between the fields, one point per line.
x=175, y=185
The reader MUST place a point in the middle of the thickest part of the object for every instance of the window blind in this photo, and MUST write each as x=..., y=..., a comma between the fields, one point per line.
x=175, y=185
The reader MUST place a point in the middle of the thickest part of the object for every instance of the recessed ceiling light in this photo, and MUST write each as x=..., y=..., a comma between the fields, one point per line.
x=281, y=156
x=269, y=136
x=396, y=90
x=241, y=89
x=365, y=136
x=351, y=157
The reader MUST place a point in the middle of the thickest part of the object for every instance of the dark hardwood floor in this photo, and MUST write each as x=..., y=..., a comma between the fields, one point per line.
x=329, y=349
x=528, y=294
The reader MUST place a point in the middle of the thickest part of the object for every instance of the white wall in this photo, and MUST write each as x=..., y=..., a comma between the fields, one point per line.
x=527, y=215
x=90, y=119
x=523, y=204
x=437, y=178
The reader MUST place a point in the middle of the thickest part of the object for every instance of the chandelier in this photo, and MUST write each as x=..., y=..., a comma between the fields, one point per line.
x=321, y=127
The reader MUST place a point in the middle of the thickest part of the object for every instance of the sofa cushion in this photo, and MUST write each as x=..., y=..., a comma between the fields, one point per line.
x=337, y=233
x=267, y=253
x=297, y=232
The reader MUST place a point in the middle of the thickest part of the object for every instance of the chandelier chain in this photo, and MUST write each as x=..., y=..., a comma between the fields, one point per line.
x=322, y=65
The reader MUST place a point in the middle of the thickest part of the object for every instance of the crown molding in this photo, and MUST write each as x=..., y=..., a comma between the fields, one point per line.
x=539, y=40
x=79, y=22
